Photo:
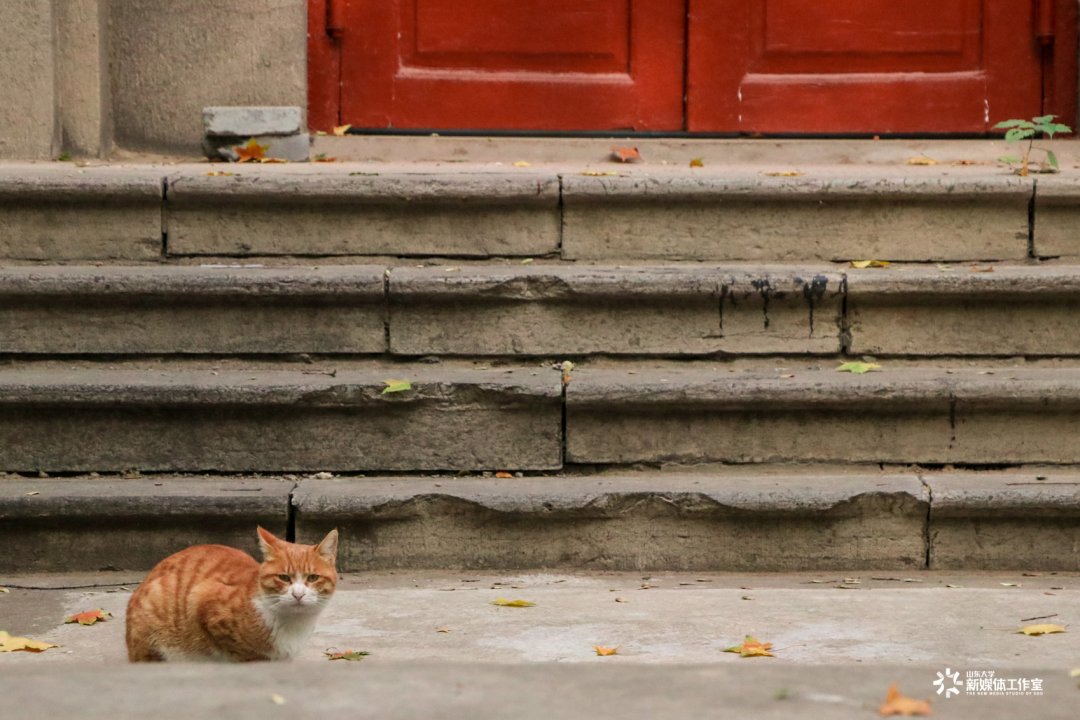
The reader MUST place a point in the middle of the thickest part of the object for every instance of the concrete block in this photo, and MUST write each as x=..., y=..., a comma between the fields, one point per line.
x=1005, y=522
x=91, y=524
x=27, y=80
x=249, y=121
x=900, y=415
x=191, y=310
x=167, y=62
x=322, y=417
x=571, y=310
x=919, y=310
x=1057, y=212
x=766, y=219
x=287, y=210
x=293, y=148
x=61, y=212
x=632, y=522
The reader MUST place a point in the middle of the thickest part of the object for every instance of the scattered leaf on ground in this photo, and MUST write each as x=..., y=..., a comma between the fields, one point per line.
x=783, y=173
x=88, y=617
x=522, y=163
x=504, y=474
x=605, y=651
x=442, y=630
x=697, y=162
x=858, y=368
x=4, y=590
x=863, y=264
x=897, y=704
x=394, y=386
x=527, y=261
x=251, y=150
x=277, y=699
x=599, y=173
x=567, y=367
x=503, y=602
x=751, y=647
x=620, y=600
x=625, y=154
x=1042, y=629
x=272, y=161
x=1010, y=584
x=334, y=654
x=981, y=268
x=219, y=173
x=9, y=643
x=32, y=493
x=323, y=157
x=341, y=130
x=921, y=160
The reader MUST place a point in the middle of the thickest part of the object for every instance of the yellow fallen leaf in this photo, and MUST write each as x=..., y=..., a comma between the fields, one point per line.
x=219, y=173
x=981, y=268
x=598, y=173
x=9, y=643
x=751, y=647
x=277, y=699
x=503, y=474
x=250, y=151
x=783, y=173
x=897, y=704
x=503, y=602
x=4, y=590
x=863, y=264
x=395, y=386
x=354, y=655
x=442, y=630
x=858, y=368
x=605, y=651
x=88, y=617
x=341, y=130
x=1042, y=629
x=921, y=160
x=697, y=162
x=522, y=163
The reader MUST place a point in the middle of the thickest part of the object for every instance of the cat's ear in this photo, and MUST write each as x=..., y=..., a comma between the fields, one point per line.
x=267, y=543
x=327, y=549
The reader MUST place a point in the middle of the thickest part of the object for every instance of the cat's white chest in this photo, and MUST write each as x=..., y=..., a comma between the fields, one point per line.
x=289, y=631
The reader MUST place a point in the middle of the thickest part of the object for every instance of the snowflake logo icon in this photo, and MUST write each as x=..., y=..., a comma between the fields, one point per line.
x=948, y=688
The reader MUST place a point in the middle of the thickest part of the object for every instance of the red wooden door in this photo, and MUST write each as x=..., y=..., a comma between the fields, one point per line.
x=723, y=66
x=513, y=64
x=869, y=66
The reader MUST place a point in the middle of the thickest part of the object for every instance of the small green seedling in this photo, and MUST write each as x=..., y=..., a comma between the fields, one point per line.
x=1019, y=130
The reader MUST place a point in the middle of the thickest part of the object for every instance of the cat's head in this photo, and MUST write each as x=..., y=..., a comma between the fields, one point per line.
x=296, y=578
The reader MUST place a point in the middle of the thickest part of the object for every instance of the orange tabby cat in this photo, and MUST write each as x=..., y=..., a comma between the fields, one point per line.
x=212, y=602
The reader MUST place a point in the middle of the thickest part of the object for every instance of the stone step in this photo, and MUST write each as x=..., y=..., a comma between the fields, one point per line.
x=718, y=213
x=781, y=518
x=542, y=310
x=239, y=416
x=799, y=412
x=182, y=417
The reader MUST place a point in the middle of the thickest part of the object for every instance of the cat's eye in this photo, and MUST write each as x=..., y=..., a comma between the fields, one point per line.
x=284, y=578
x=312, y=577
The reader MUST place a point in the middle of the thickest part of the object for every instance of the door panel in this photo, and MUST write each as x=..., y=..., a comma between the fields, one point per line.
x=860, y=66
x=505, y=64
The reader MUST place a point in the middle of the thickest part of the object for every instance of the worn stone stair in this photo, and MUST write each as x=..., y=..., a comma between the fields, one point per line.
x=605, y=347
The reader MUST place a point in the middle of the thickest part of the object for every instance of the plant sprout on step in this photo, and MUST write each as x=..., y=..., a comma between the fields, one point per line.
x=1017, y=130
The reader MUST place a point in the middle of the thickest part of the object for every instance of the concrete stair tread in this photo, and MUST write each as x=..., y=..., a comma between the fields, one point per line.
x=541, y=310
x=750, y=519
x=837, y=212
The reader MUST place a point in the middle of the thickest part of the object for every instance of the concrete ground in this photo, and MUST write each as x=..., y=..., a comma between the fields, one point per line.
x=439, y=648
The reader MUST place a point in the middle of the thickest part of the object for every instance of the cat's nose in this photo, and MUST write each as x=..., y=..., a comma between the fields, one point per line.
x=297, y=592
